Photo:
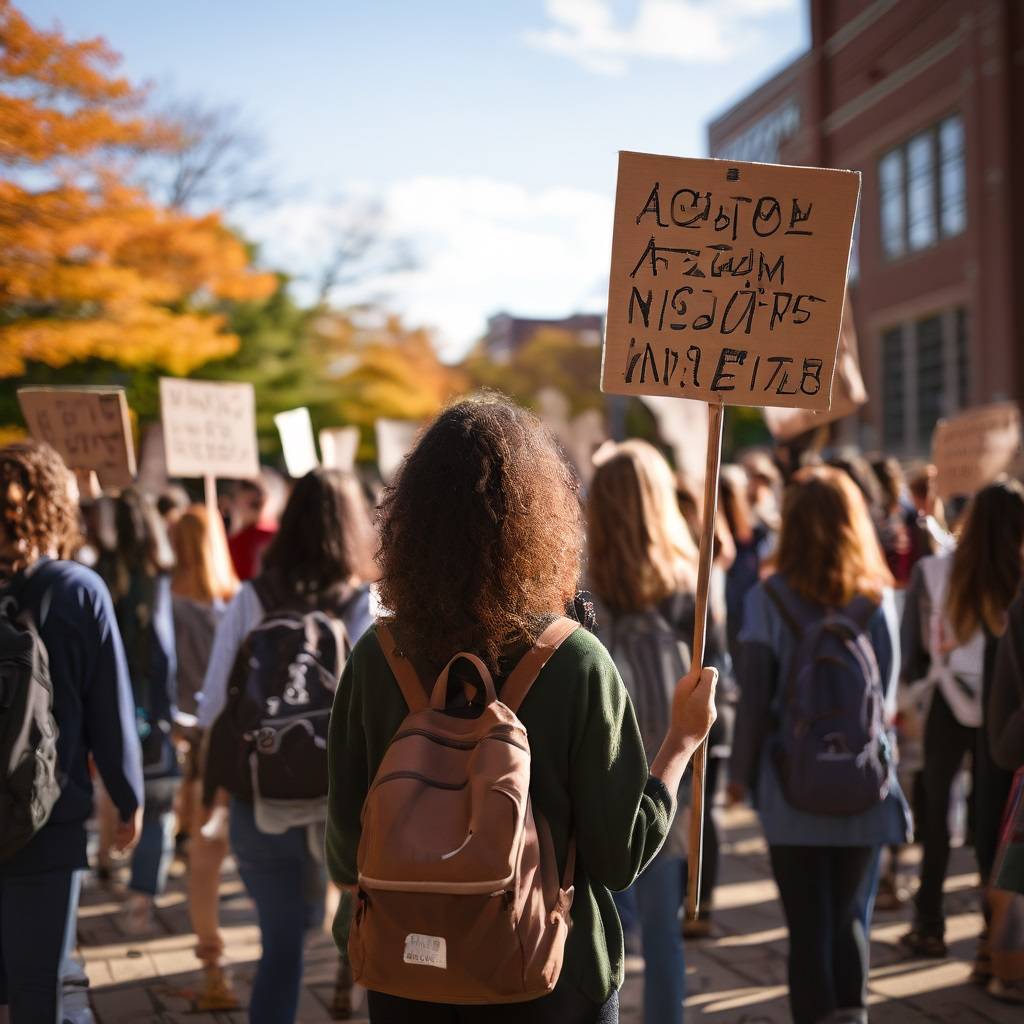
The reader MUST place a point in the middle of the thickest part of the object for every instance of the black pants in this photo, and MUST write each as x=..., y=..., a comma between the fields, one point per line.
x=828, y=952
x=946, y=742
x=565, y=1005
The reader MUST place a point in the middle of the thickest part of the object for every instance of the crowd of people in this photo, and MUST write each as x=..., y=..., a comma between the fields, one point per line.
x=313, y=688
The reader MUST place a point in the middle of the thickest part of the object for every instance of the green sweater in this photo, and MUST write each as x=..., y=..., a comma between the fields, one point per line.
x=588, y=772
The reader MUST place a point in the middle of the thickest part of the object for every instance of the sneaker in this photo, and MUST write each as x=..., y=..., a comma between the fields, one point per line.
x=341, y=1002
x=922, y=942
x=1006, y=991
x=217, y=993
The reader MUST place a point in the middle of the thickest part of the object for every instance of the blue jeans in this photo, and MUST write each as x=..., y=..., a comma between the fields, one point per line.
x=658, y=895
x=868, y=892
x=288, y=886
x=35, y=916
x=152, y=857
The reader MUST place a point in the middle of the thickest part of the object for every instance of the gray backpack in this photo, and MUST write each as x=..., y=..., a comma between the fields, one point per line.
x=651, y=659
x=29, y=785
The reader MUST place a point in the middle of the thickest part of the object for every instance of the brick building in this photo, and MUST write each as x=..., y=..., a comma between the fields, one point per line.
x=506, y=334
x=926, y=99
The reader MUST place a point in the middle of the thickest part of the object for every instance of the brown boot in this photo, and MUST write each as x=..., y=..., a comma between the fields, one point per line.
x=216, y=993
x=341, y=1003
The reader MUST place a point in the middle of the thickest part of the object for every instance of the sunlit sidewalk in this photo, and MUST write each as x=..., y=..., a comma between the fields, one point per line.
x=737, y=976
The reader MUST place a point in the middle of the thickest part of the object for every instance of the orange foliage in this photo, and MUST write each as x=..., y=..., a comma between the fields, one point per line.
x=89, y=265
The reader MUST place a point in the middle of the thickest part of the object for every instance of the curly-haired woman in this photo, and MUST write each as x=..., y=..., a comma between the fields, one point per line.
x=94, y=711
x=481, y=540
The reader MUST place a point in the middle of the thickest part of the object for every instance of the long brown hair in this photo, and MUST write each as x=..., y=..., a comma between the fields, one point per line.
x=480, y=535
x=989, y=561
x=202, y=568
x=828, y=548
x=640, y=548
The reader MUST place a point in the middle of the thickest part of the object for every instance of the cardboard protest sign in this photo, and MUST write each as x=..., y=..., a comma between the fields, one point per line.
x=394, y=440
x=338, y=447
x=848, y=391
x=296, y=430
x=974, y=447
x=727, y=280
x=209, y=428
x=89, y=427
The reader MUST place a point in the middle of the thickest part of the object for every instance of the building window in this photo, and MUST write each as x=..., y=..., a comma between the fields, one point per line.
x=963, y=360
x=952, y=180
x=931, y=375
x=892, y=388
x=922, y=189
x=890, y=175
x=921, y=226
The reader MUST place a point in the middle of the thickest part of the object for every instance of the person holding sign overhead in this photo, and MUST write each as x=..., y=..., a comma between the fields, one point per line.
x=488, y=567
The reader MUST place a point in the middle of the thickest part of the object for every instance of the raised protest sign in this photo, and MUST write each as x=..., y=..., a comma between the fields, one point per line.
x=974, y=447
x=209, y=428
x=89, y=427
x=296, y=430
x=338, y=447
x=727, y=283
x=848, y=391
x=727, y=280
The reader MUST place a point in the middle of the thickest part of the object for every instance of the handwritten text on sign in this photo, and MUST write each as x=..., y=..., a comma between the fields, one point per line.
x=89, y=428
x=209, y=428
x=727, y=280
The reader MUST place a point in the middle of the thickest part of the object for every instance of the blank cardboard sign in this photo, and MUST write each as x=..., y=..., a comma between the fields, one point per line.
x=296, y=430
x=727, y=280
x=973, y=448
x=89, y=427
x=209, y=428
x=339, y=447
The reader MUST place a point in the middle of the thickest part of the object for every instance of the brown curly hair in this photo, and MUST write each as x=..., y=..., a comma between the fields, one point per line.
x=481, y=535
x=38, y=514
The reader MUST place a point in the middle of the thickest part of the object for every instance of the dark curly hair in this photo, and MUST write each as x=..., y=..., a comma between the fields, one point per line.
x=38, y=514
x=481, y=535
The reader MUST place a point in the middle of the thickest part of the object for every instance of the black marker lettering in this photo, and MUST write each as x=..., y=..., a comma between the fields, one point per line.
x=722, y=381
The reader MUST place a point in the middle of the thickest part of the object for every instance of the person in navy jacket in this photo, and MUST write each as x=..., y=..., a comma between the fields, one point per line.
x=95, y=715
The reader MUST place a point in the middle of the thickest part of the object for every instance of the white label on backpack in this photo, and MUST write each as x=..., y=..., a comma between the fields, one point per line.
x=427, y=950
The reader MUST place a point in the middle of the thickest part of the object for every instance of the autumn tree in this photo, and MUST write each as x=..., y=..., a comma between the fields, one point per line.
x=91, y=267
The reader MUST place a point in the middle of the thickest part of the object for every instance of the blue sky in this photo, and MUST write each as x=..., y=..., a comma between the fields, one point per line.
x=486, y=131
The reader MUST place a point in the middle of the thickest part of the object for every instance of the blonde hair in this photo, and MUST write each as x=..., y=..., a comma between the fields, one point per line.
x=641, y=550
x=828, y=549
x=203, y=569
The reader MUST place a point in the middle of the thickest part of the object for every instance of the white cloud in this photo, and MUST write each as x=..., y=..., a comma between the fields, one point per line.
x=482, y=246
x=701, y=31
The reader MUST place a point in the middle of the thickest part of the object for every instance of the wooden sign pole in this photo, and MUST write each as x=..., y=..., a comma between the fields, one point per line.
x=210, y=493
x=695, y=855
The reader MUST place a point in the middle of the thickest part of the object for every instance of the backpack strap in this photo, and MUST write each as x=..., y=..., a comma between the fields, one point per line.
x=790, y=619
x=522, y=677
x=405, y=675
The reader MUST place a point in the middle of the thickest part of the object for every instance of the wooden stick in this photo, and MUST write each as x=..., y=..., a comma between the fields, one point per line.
x=210, y=493
x=695, y=856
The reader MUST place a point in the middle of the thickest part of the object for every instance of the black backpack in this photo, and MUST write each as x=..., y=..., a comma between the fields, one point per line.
x=29, y=786
x=271, y=737
x=831, y=753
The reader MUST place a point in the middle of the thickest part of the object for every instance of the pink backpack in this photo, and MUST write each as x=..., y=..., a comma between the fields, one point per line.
x=459, y=896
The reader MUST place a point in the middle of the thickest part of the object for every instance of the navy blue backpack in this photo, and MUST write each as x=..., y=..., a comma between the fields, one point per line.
x=831, y=754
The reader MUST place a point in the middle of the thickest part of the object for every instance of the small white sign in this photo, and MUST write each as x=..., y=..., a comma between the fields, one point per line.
x=426, y=950
x=296, y=430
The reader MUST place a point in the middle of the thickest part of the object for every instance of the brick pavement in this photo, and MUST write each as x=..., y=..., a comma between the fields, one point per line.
x=738, y=976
